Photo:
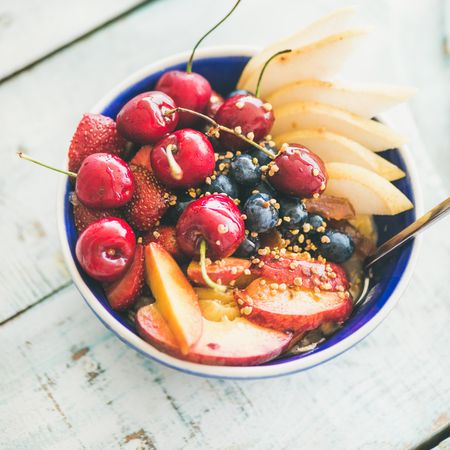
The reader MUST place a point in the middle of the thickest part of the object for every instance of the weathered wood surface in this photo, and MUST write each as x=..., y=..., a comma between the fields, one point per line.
x=69, y=383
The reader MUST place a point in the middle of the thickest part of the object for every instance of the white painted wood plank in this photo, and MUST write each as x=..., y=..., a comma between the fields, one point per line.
x=68, y=383
x=31, y=29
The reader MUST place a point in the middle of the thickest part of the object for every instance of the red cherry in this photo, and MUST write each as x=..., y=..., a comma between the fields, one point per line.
x=106, y=248
x=214, y=103
x=142, y=119
x=193, y=155
x=104, y=181
x=249, y=113
x=298, y=171
x=189, y=90
x=212, y=218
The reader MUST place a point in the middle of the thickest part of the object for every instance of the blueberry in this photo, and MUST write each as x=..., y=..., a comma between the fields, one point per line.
x=244, y=171
x=174, y=212
x=223, y=185
x=316, y=221
x=263, y=187
x=262, y=158
x=249, y=246
x=294, y=210
x=336, y=246
x=239, y=92
x=261, y=214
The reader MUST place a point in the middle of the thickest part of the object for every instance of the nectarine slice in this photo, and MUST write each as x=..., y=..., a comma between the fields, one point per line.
x=175, y=297
x=235, y=342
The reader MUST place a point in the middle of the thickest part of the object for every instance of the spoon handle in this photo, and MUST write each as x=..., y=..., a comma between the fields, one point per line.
x=437, y=213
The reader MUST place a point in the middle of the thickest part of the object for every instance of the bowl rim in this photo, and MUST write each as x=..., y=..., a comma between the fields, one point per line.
x=231, y=372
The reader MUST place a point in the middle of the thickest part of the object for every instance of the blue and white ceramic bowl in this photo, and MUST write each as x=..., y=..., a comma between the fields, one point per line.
x=222, y=67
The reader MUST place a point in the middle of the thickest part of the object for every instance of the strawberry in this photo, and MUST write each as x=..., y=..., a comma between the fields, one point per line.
x=142, y=157
x=122, y=293
x=165, y=236
x=84, y=216
x=149, y=202
x=95, y=134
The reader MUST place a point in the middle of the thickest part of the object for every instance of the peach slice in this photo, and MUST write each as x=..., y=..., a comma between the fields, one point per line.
x=175, y=297
x=223, y=271
x=216, y=305
x=292, y=309
x=235, y=342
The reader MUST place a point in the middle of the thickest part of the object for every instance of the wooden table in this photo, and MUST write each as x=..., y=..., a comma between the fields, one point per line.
x=67, y=382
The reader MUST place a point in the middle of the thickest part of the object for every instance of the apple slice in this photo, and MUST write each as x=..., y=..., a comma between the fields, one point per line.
x=306, y=115
x=365, y=100
x=175, y=297
x=235, y=342
x=367, y=192
x=223, y=271
x=332, y=147
x=292, y=309
x=333, y=23
x=320, y=59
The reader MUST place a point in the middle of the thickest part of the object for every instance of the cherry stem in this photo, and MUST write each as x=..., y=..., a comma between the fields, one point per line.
x=258, y=84
x=191, y=58
x=175, y=170
x=212, y=284
x=35, y=161
x=221, y=128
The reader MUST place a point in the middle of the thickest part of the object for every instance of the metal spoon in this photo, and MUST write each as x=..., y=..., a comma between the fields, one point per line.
x=435, y=214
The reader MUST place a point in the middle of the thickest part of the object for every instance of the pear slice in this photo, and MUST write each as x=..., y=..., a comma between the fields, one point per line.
x=332, y=147
x=364, y=100
x=368, y=192
x=305, y=115
x=333, y=23
x=320, y=59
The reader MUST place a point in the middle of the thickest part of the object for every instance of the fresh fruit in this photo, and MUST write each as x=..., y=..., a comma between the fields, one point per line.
x=222, y=184
x=239, y=92
x=250, y=115
x=143, y=119
x=306, y=115
x=106, y=248
x=367, y=192
x=217, y=311
x=364, y=100
x=149, y=201
x=183, y=159
x=298, y=171
x=84, y=216
x=235, y=342
x=142, y=157
x=365, y=244
x=336, y=22
x=214, y=103
x=260, y=188
x=104, y=181
x=249, y=246
x=122, y=293
x=175, y=297
x=330, y=207
x=332, y=147
x=223, y=271
x=244, y=170
x=261, y=213
x=321, y=58
x=165, y=235
x=297, y=269
x=336, y=246
x=263, y=158
x=292, y=212
x=174, y=212
x=291, y=309
x=94, y=134
x=214, y=219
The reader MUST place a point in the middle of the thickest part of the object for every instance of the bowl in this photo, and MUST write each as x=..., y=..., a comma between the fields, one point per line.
x=222, y=66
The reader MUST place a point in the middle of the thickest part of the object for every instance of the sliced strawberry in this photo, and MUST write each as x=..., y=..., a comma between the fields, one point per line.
x=149, y=202
x=95, y=134
x=84, y=216
x=121, y=294
x=296, y=269
x=165, y=236
x=142, y=157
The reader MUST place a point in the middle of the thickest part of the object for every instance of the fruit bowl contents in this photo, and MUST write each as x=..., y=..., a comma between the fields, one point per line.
x=230, y=228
